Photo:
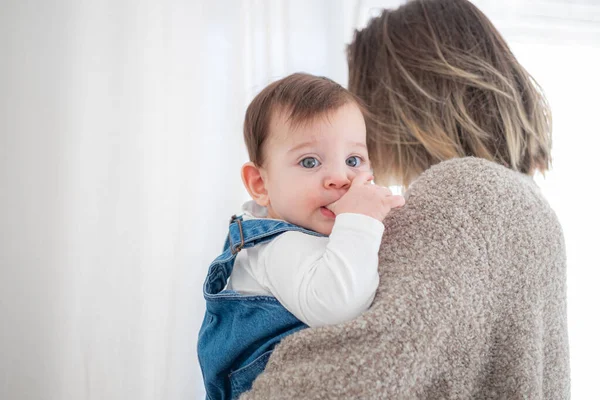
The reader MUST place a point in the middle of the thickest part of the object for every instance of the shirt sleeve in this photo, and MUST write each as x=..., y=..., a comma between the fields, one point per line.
x=325, y=281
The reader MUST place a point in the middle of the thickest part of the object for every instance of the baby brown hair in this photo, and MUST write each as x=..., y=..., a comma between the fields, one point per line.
x=303, y=97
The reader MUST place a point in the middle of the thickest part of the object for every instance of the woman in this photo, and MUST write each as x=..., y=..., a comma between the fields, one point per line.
x=471, y=302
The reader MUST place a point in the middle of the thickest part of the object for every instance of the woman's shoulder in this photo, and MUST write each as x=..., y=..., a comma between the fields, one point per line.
x=474, y=186
x=474, y=175
x=474, y=202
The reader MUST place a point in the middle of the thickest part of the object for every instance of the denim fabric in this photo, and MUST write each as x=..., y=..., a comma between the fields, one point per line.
x=239, y=332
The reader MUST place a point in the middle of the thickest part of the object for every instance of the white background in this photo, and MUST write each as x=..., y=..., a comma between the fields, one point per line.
x=120, y=148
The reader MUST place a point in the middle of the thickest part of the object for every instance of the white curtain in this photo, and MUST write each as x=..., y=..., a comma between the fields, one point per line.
x=120, y=148
x=120, y=151
x=120, y=154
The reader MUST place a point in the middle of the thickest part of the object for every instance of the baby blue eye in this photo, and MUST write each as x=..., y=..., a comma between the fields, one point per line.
x=309, y=162
x=353, y=161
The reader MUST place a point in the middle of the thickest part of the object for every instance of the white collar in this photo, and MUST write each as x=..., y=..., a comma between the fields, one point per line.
x=252, y=210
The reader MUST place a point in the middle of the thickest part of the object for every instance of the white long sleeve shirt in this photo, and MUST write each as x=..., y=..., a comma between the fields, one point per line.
x=321, y=280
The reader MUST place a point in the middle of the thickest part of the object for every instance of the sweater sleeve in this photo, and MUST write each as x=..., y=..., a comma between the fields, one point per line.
x=325, y=281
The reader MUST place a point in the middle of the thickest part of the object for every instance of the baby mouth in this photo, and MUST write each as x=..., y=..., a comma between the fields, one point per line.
x=327, y=212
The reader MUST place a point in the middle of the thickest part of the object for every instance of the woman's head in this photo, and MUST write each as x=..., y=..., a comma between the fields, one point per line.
x=440, y=82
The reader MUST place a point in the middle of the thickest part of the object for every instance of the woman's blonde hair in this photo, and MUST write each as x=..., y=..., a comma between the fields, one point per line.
x=440, y=82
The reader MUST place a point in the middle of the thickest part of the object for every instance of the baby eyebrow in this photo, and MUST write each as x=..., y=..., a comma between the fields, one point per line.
x=359, y=144
x=301, y=146
x=311, y=143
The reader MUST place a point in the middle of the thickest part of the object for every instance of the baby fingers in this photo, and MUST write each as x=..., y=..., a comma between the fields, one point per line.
x=395, y=201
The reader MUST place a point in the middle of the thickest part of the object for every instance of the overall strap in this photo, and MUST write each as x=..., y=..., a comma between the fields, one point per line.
x=242, y=235
x=245, y=234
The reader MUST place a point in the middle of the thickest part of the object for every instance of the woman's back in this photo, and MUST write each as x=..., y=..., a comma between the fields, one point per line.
x=497, y=271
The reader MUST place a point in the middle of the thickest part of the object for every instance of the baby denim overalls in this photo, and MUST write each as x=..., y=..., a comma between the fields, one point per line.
x=239, y=332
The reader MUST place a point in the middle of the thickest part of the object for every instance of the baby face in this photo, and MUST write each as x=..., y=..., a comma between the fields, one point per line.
x=311, y=166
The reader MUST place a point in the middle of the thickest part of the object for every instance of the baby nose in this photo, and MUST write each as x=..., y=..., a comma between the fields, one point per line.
x=338, y=180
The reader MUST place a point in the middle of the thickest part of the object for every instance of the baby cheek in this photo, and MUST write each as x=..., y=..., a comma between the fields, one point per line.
x=312, y=200
x=304, y=197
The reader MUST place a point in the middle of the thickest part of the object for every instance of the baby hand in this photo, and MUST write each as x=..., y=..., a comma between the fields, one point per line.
x=366, y=198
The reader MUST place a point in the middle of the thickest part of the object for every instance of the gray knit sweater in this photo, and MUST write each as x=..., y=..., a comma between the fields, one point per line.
x=471, y=302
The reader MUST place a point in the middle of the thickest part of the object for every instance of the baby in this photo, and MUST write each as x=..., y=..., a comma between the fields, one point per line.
x=305, y=250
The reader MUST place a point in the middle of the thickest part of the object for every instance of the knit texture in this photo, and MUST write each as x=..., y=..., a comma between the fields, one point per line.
x=471, y=302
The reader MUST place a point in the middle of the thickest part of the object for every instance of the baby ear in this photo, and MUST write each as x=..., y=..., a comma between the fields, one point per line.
x=254, y=181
